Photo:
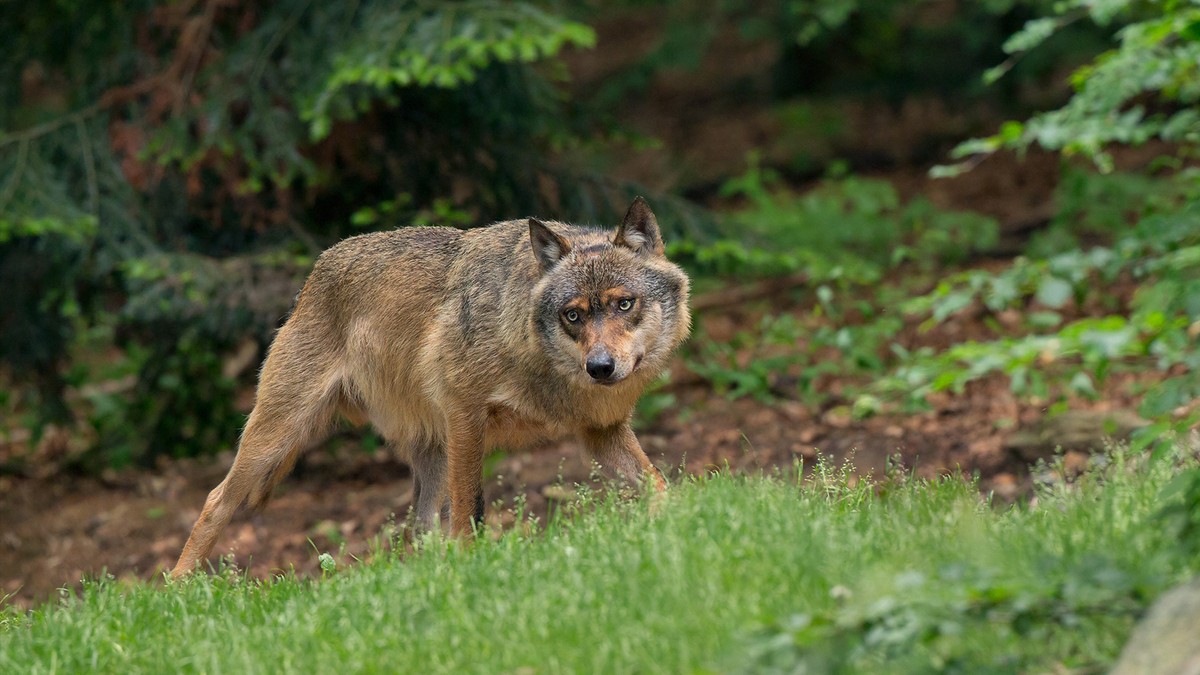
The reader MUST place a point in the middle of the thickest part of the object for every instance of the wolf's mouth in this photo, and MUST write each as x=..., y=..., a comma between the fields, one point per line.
x=611, y=380
x=614, y=379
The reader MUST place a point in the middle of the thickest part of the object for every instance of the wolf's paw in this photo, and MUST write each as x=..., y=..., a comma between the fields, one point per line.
x=658, y=500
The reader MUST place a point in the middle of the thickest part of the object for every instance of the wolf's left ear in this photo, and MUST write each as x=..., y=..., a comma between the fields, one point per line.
x=548, y=245
x=639, y=229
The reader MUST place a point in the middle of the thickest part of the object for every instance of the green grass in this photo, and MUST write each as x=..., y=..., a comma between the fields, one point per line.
x=733, y=574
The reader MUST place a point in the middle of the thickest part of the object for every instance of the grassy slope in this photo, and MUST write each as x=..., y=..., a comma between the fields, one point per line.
x=733, y=573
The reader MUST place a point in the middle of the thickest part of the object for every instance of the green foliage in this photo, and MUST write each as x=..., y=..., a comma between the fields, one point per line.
x=846, y=231
x=910, y=47
x=1146, y=88
x=653, y=403
x=1180, y=510
x=966, y=587
x=783, y=357
x=1047, y=355
x=833, y=51
x=753, y=361
x=170, y=170
x=1100, y=207
x=1079, y=355
x=458, y=71
x=40, y=268
x=844, y=235
x=434, y=45
x=924, y=617
x=1162, y=253
x=912, y=634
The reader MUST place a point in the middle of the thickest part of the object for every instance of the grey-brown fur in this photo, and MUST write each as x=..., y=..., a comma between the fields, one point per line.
x=452, y=342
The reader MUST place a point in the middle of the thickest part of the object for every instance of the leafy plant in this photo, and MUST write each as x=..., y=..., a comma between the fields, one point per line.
x=784, y=356
x=844, y=235
x=1160, y=252
x=1180, y=510
x=1071, y=332
x=653, y=403
x=752, y=362
x=433, y=45
x=1143, y=89
x=847, y=231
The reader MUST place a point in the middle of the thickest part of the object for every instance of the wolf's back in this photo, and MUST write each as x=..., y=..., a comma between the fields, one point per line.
x=397, y=255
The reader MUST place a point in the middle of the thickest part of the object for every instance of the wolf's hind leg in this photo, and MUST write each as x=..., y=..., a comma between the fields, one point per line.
x=288, y=418
x=430, y=499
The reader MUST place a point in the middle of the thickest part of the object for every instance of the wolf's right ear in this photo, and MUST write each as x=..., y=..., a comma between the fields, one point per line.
x=548, y=246
x=639, y=229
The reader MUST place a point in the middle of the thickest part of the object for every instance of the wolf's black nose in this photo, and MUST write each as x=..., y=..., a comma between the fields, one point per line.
x=600, y=367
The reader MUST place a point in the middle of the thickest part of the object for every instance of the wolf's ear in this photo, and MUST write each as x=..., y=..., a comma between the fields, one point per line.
x=548, y=246
x=639, y=229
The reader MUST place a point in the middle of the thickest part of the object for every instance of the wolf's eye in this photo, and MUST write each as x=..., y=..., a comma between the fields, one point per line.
x=572, y=315
x=625, y=304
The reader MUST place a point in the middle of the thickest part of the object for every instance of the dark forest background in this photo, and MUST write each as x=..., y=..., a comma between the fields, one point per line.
x=170, y=170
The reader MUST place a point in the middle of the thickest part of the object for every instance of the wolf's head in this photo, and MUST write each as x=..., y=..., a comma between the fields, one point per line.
x=608, y=305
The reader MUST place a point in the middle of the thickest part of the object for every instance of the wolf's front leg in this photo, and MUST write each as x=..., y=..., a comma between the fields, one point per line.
x=617, y=447
x=464, y=454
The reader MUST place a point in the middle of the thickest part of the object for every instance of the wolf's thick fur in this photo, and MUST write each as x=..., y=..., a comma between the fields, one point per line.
x=452, y=342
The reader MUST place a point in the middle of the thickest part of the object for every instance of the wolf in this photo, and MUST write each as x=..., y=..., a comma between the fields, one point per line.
x=451, y=343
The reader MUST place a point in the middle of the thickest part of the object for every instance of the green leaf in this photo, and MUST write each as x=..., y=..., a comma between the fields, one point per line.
x=1169, y=395
x=1031, y=35
x=433, y=45
x=1054, y=292
x=1082, y=384
x=1044, y=319
x=1191, y=32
